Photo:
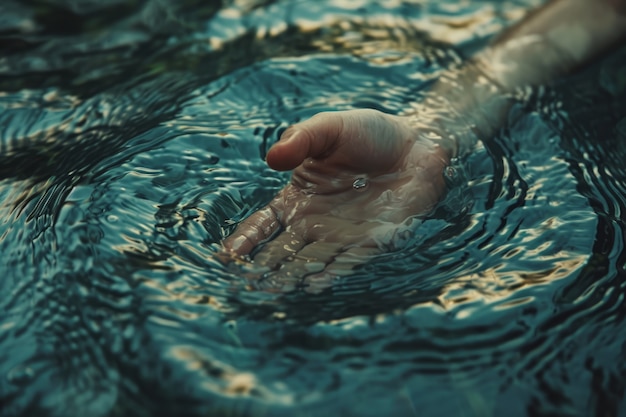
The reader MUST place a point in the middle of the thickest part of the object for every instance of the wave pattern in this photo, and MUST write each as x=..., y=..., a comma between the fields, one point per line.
x=132, y=141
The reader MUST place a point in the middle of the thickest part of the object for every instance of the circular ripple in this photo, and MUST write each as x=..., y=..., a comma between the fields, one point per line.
x=119, y=182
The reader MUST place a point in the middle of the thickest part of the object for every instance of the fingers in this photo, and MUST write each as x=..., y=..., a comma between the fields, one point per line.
x=309, y=139
x=275, y=251
x=257, y=228
x=362, y=140
x=313, y=258
x=316, y=266
x=343, y=264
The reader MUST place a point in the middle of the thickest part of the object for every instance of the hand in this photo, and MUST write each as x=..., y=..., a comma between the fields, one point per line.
x=361, y=177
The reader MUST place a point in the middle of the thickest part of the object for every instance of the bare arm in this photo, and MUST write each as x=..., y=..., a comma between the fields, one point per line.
x=362, y=177
x=554, y=40
x=551, y=41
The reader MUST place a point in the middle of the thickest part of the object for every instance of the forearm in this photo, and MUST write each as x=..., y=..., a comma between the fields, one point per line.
x=551, y=41
x=554, y=40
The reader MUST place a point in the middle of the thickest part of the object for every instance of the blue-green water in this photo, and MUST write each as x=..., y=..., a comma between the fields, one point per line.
x=132, y=136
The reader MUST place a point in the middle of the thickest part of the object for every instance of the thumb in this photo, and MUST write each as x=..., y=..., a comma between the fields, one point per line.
x=309, y=139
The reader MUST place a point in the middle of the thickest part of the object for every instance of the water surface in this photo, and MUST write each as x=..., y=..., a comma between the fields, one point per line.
x=132, y=138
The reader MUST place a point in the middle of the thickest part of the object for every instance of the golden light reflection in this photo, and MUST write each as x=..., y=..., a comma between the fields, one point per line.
x=181, y=291
x=500, y=286
x=383, y=32
x=218, y=376
x=221, y=378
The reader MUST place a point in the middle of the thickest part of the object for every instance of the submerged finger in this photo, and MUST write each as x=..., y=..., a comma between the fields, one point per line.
x=311, y=259
x=276, y=250
x=251, y=232
x=342, y=265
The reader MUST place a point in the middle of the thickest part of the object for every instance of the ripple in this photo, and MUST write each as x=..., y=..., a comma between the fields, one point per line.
x=133, y=142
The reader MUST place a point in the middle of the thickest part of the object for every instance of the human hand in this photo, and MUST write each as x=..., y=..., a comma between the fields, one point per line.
x=361, y=177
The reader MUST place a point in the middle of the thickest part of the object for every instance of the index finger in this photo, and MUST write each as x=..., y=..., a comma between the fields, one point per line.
x=257, y=228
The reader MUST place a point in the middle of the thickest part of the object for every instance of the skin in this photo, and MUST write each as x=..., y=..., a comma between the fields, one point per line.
x=319, y=227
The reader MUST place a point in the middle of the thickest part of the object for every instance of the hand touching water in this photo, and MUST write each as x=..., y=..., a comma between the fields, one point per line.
x=360, y=178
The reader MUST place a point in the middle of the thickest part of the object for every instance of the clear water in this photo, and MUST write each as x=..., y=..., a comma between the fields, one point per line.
x=132, y=136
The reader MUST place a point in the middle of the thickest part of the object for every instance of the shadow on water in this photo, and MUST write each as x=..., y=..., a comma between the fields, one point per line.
x=132, y=138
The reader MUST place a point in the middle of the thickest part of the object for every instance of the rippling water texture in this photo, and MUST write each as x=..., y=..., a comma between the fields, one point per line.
x=132, y=138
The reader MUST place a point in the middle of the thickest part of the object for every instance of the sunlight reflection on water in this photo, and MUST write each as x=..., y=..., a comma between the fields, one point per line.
x=132, y=141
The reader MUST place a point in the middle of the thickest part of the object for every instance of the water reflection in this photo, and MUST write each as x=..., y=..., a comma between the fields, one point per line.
x=132, y=142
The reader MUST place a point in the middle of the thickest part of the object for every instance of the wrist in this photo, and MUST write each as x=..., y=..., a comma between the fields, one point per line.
x=446, y=131
x=464, y=105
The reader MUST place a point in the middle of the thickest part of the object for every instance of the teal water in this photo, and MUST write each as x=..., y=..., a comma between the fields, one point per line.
x=132, y=137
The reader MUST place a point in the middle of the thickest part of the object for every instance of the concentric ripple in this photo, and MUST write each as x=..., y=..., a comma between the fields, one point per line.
x=132, y=141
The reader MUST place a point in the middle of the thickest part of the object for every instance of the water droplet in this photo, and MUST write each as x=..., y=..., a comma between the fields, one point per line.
x=360, y=184
x=450, y=172
x=453, y=176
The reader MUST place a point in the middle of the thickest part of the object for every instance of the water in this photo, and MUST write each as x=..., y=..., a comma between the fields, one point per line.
x=360, y=184
x=132, y=137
